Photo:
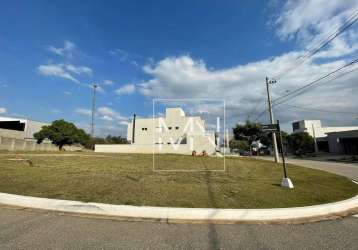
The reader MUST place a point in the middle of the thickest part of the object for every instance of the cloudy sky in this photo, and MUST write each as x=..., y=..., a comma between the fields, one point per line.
x=52, y=51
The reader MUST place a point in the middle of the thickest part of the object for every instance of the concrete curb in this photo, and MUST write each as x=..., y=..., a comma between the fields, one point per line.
x=193, y=215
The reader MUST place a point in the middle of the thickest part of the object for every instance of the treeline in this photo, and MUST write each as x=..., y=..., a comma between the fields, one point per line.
x=110, y=140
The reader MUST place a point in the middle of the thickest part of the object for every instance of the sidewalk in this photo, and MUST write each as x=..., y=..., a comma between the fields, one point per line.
x=348, y=170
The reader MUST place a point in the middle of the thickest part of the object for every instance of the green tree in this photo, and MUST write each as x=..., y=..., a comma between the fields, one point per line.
x=301, y=143
x=62, y=133
x=239, y=144
x=251, y=131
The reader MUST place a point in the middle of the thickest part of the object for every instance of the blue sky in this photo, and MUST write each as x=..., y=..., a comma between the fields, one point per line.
x=50, y=51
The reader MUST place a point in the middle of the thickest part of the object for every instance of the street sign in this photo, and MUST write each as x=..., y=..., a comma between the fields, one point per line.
x=269, y=127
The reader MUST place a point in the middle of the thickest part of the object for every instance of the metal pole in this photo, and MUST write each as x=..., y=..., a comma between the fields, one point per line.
x=282, y=154
x=93, y=109
x=274, y=142
x=133, y=128
x=315, y=141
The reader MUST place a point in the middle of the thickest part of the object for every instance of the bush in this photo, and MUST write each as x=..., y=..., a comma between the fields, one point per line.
x=301, y=143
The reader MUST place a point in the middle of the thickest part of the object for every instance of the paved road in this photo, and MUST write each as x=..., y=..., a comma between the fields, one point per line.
x=31, y=229
x=345, y=169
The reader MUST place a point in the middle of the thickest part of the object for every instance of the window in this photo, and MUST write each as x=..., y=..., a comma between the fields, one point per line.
x=170, y=128
x=176, y=128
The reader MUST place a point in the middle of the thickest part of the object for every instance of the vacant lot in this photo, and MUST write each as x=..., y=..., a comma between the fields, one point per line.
x=130, y=179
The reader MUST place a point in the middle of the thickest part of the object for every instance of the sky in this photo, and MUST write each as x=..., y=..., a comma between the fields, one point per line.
x=136, y=51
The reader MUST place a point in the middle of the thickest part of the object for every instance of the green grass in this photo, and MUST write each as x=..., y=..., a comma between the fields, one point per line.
x=130, y=179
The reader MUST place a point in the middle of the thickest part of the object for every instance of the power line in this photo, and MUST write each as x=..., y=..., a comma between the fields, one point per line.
x=349, y=22
x=315, y=49
x=305, y=87
x=322, y=110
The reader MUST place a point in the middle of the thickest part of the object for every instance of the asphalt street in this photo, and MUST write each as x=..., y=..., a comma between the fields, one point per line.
x=350, y=170
x=35, y=229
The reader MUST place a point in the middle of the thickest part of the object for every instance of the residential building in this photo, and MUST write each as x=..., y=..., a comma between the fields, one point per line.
x=345, y=142
x=19, y=128
x=315, y=129
x=174, y=133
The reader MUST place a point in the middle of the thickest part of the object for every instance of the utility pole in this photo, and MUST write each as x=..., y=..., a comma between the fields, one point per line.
x=93, y=108
x=274, y=142
x=315, y=141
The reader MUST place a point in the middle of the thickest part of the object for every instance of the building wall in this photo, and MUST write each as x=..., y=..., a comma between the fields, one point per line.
x=33, y=127
x=199, y=144
x=314, y=127
x=140, y=149
x=175, y=130
x=12, y=133
x=167, y=130
x=336, y=140
x=13, y=144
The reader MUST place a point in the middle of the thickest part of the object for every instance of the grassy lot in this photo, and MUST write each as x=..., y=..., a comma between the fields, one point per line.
x=130, y=179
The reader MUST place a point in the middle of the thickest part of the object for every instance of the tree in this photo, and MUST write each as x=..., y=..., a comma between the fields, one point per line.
x=62, y=133
x=239, y=144
x=251, y=131
x=301, y=143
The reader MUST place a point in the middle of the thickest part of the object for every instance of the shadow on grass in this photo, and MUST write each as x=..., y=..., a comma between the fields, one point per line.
x=213, y=234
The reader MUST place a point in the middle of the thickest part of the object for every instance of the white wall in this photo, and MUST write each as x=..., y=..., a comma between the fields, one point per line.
x=199, y=144
x=12, y=133
x=314, y=127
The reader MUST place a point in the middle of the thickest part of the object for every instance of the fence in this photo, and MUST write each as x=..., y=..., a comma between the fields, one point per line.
x=13, y=144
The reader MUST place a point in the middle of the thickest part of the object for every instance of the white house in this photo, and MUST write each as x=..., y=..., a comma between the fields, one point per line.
x=174, y=133
x=315, y=129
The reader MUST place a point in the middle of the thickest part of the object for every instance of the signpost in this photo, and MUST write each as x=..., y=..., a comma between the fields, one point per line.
x=275, y=128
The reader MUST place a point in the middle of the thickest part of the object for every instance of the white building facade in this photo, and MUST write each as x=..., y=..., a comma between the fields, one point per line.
x=174, y=133
x=314, y=128
x=320, y=134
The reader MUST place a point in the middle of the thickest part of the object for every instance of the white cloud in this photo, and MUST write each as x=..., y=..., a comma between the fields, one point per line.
x=83, y=111
x=3, y=110
x=126, y=89
x=244, y=85
x=108, y=82
x=106, y=118
x=78, y=69
x=68, y=93
x=310, y=21
x=56, y=70
x=108, y=114
x=125, y=56
x=67, y=49
x=65, y=71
